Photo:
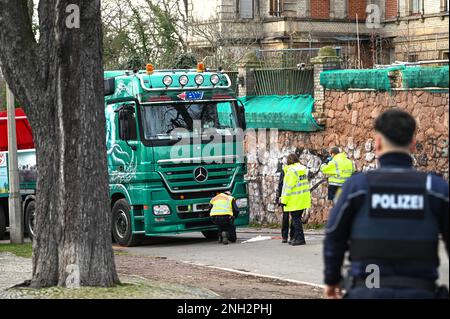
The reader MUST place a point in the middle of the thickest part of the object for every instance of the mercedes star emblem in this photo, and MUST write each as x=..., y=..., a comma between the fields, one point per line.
x=200, y=174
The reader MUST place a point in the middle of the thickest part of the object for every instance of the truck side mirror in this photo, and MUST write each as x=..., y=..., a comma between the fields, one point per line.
x=241, y=115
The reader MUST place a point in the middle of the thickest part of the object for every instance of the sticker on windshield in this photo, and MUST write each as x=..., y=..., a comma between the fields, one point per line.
x=191, y=96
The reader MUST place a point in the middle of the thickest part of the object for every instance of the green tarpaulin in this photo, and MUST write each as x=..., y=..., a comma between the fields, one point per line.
x=377, y=79
x=422, y=77
x=283, y=112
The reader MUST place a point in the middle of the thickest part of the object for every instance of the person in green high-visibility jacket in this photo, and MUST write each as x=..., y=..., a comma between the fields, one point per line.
x=295, y=196
x=338, y=169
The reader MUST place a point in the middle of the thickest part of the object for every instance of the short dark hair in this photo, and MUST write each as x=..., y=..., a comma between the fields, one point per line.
x=397, y=126
x=292, y=159
x=335, y=150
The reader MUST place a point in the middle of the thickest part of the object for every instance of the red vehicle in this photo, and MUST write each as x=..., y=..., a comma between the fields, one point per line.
x=27, y=171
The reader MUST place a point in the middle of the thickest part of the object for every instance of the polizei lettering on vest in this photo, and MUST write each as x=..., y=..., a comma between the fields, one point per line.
x=397, y=201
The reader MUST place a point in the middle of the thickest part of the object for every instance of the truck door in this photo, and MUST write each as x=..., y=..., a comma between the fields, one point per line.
x=122, y=141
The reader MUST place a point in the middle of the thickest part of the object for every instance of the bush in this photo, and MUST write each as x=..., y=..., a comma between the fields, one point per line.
x=327, y=51
x=185, y=61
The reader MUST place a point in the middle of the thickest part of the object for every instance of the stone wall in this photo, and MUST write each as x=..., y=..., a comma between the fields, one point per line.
x=349, y=124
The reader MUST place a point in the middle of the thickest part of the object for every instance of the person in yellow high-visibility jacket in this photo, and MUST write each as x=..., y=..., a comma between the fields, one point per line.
x=338, y=169
x=295, y=196
x=223, y=210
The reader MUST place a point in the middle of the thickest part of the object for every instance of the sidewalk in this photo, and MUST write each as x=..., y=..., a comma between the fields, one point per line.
x=146, y=277
x=16, y=270
x=13, y=270
x=275, y=231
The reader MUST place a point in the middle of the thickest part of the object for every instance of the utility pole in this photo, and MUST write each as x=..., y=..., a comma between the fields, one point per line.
x=14, y=200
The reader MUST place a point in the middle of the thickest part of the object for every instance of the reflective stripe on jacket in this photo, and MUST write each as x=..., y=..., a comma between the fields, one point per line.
x=222, y=205
x=295, y=194
x=338, y=170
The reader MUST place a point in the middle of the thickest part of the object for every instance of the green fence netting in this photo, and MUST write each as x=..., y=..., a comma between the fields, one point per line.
x=283, y=112
x=422, y=77
x=377, y=79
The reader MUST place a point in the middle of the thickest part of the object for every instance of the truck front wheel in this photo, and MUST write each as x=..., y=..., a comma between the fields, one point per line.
x=30, y=219
x=121, y=225
x=2, y=223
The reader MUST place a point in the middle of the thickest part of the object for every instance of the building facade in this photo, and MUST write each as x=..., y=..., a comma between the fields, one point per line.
x=418, y=28
x=368, y=31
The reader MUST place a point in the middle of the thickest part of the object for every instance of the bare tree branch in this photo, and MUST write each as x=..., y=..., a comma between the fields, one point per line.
x=19, y=62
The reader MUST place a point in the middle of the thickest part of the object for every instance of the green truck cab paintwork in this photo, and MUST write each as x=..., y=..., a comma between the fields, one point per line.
x=150, y=169
x=170, y=149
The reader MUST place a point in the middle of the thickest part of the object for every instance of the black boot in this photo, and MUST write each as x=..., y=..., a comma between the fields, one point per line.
x=284, y=241
x=225, y=238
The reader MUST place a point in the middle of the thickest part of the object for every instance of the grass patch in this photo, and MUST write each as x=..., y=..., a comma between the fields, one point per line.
x=23, y=250
x=120, y=252
x=268, y=225
x=314, y=226
x=131, y=288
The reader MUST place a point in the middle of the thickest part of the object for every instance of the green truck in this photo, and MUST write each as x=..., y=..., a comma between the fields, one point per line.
x=174, y=141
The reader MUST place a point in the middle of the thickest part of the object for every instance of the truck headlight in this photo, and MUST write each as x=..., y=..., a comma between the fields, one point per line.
x=242, y=202
x=160, y=210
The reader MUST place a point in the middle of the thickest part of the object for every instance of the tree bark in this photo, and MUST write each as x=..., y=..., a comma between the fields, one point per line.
x=59, y=81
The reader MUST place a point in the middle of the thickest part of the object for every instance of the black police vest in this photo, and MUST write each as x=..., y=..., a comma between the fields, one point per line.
x=395, y=222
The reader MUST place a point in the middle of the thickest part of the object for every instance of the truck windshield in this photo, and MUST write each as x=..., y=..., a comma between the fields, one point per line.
x=175, y=121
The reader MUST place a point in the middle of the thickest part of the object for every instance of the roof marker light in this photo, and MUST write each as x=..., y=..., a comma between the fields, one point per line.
x=215, y=79
x=183, y=80
x=150, y=69
x=201, y=67
x=199, y=79
x=167, y=80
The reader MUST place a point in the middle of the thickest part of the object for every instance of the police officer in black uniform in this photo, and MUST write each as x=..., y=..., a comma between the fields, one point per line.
x=389, y=220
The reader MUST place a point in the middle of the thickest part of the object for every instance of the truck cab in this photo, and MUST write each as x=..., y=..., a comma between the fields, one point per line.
x=174, y=140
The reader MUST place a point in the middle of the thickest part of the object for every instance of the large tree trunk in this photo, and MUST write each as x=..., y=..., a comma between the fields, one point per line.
x=59, y=81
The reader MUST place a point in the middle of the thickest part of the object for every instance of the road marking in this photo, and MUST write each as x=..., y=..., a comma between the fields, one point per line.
x=256, y=274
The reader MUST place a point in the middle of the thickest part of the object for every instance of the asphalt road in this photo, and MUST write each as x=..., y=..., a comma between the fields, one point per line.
x=268, y=257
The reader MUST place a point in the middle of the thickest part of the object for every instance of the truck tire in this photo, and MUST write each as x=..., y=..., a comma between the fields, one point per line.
x=2, y=223
x=30, y=218
x=211, y=234
x=121, y=225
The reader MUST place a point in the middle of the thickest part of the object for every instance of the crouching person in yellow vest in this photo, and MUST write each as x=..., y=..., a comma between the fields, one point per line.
x=223, y=212
x=338, y=169
x=295, y=196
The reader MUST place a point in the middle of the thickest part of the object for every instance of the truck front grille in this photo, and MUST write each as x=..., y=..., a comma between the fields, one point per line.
x=193, y=215
x=180, y=178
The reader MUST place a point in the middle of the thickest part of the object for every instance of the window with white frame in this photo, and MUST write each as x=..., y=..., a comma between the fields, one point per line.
x=415, y=6
x=246, y=9
x=275, y=7
x=445, y=5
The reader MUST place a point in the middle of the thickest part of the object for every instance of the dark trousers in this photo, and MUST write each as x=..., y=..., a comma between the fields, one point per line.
x=287, y=228
x=332, y=190
x=226, y=224
x=388, y=293
x=296, y=227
